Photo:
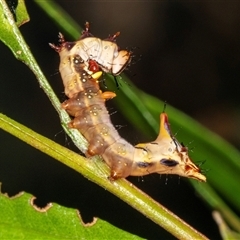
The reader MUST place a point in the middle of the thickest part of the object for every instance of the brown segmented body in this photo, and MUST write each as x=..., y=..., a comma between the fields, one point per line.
x=86, y=104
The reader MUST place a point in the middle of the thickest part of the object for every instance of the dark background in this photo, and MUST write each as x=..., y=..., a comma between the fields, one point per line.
x=190, y=58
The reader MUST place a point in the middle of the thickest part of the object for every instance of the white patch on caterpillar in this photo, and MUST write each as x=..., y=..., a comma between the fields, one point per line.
x=105, y=53
x=80, y=64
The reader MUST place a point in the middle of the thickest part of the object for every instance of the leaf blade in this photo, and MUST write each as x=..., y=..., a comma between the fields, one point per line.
x=20, y=220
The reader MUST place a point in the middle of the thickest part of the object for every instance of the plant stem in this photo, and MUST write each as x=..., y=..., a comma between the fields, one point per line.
x=96, y=171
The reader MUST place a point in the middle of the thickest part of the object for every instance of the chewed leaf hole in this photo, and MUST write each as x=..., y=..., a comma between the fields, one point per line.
x=89, y=224
x=10, y=194
x=23, y=218
x=37, y=208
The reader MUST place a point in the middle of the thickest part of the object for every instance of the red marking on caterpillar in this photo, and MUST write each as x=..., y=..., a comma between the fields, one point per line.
x=93, y=66
x=86, y=104
x=105, y=53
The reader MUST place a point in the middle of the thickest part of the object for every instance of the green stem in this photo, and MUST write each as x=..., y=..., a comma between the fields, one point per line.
x=22, y=52
x=96, y=171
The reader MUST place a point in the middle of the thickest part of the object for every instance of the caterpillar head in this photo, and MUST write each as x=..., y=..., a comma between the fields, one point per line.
x=167, y=156
x=120, y=62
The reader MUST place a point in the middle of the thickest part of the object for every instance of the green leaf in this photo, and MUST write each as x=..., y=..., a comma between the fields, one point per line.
x=60, y=17
x=12, y=37
x=21, y=219
x=8, y=25
x=21, y=13
x=226, y=232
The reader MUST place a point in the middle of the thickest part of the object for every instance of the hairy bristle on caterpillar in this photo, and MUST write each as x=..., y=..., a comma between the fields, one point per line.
x=86, y=104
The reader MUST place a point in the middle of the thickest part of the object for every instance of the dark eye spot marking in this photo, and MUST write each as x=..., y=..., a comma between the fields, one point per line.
x=169, y=162
x=143, y=164
x=154, y=143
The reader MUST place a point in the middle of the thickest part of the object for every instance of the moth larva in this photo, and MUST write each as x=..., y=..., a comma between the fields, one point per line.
x=81, y=63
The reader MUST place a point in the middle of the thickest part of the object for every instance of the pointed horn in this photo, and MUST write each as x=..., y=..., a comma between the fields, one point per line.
x=164, y=131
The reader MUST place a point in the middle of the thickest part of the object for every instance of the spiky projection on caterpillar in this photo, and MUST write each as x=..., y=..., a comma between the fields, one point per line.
x=81, y=65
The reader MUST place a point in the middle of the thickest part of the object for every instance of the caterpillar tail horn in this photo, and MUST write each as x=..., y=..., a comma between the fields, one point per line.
x=168, y=155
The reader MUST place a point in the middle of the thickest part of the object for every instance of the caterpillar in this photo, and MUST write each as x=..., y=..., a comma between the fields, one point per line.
x=81, y=65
